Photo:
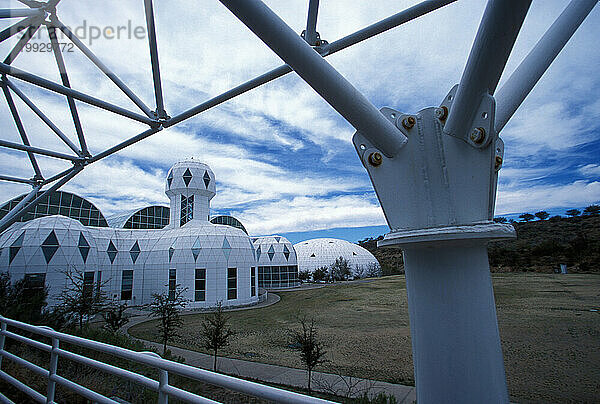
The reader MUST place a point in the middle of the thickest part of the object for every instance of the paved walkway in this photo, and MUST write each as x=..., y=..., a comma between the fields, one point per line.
x=325, y=382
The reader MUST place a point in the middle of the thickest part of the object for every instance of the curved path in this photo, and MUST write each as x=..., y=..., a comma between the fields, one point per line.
x=345, y=386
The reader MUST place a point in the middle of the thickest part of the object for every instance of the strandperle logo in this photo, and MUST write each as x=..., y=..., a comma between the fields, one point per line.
x=90, y=33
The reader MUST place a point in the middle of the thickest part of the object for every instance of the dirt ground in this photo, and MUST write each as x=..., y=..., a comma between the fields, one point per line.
x=550, y=332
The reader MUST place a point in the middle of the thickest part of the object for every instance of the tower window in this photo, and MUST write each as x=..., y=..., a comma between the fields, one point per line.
x=127, y=284
x=187, y=209
x=200, y=285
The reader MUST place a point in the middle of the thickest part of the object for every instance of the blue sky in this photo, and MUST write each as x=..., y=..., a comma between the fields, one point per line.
x=283, y=157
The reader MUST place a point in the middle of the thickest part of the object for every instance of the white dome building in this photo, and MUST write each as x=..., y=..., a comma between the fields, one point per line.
x=215, y=263
x=277, y=263
x=322, y=252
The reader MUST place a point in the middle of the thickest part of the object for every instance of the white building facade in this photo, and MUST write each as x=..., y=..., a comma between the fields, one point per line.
x=214, y=263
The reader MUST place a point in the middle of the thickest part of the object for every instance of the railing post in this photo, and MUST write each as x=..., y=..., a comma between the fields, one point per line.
x=2, y=339
x=52, y=371
x=163, y=382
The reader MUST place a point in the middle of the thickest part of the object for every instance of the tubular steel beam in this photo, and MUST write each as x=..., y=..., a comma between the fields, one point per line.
x=343, y=43
x=160, y=107
x=5, y=223
x=94, y=59
x=57, y=176
x=310, y=35
x=31, y=30
x=495, y=38
x=126, y=143
x=43, y=117
x=16, y=28
x=60, y=62
x=320, y=75
x=49, y=85
x=17, y=13
x=15, y=179
x=21, y=129
x=520, y=83
x=23, y=202
x=37, y=150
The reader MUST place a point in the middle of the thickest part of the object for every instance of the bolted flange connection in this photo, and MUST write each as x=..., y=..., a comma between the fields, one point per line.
x=477, y=135
x=375, y=159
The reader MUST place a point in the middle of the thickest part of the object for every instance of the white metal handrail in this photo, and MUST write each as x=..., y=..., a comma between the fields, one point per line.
x=150, y=359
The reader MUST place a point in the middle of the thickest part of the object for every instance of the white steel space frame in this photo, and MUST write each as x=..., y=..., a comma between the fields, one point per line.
x=434, y=172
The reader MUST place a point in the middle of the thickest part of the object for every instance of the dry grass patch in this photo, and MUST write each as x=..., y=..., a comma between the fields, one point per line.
x=549, y=335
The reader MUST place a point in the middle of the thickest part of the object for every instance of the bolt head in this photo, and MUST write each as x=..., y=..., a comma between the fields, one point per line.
x=498, y=162
x=441, y=113
x=409, y=122
x=477, y=135
x=375, y=159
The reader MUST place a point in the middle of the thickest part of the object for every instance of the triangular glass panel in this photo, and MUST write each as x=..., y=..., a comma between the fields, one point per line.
x=187, y=177
x=172, y=250
x=170, y=179
x=286, y=252
x=84, y=247
x=252, y=247
x=206, y=179
x=226, y=248
x=111, y=251
x=196, y=248
x=258, y=252
x=15, y=248
x=353, y=253
x=271, y=253
x=277, y=239
x=135, y=252
x=50, y=246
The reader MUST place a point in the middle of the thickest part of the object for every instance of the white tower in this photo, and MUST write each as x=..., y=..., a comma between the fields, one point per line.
x=190, y=186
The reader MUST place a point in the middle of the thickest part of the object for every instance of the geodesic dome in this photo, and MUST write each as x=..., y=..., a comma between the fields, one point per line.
x=322, y=252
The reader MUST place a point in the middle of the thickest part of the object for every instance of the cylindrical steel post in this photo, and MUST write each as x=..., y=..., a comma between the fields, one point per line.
x=456, y=344
x=163, y=396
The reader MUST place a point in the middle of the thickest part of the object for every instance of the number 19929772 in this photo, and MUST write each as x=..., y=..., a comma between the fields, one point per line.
x=47, y=47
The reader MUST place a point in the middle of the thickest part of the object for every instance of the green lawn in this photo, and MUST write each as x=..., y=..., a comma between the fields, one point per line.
x=550, y=337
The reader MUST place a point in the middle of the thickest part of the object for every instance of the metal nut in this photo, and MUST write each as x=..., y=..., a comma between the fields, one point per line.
x=477, y=135
x=375, y=159
x=409, y=122
x=441, y=113
x=498, y=162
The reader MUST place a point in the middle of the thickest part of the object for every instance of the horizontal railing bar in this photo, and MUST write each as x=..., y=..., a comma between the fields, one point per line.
x=40, y=398
x=229, y=382
x=115, y=370
x=187, y=396
x=83, y=391
x=343, y=43
x=36, y=344
x=6, y=400
x=78, y=95
x=37, y=150
x=26, y=364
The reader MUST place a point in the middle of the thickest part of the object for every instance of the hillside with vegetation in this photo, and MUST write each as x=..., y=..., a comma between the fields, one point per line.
x=540, y=246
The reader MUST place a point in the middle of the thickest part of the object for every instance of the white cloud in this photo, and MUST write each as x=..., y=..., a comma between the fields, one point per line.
x=590, y=170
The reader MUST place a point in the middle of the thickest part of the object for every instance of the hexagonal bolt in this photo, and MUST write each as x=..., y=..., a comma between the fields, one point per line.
x=441, y=113
x=375, y=159
x=409, y=122
x=498, y=162
x=477, y=135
